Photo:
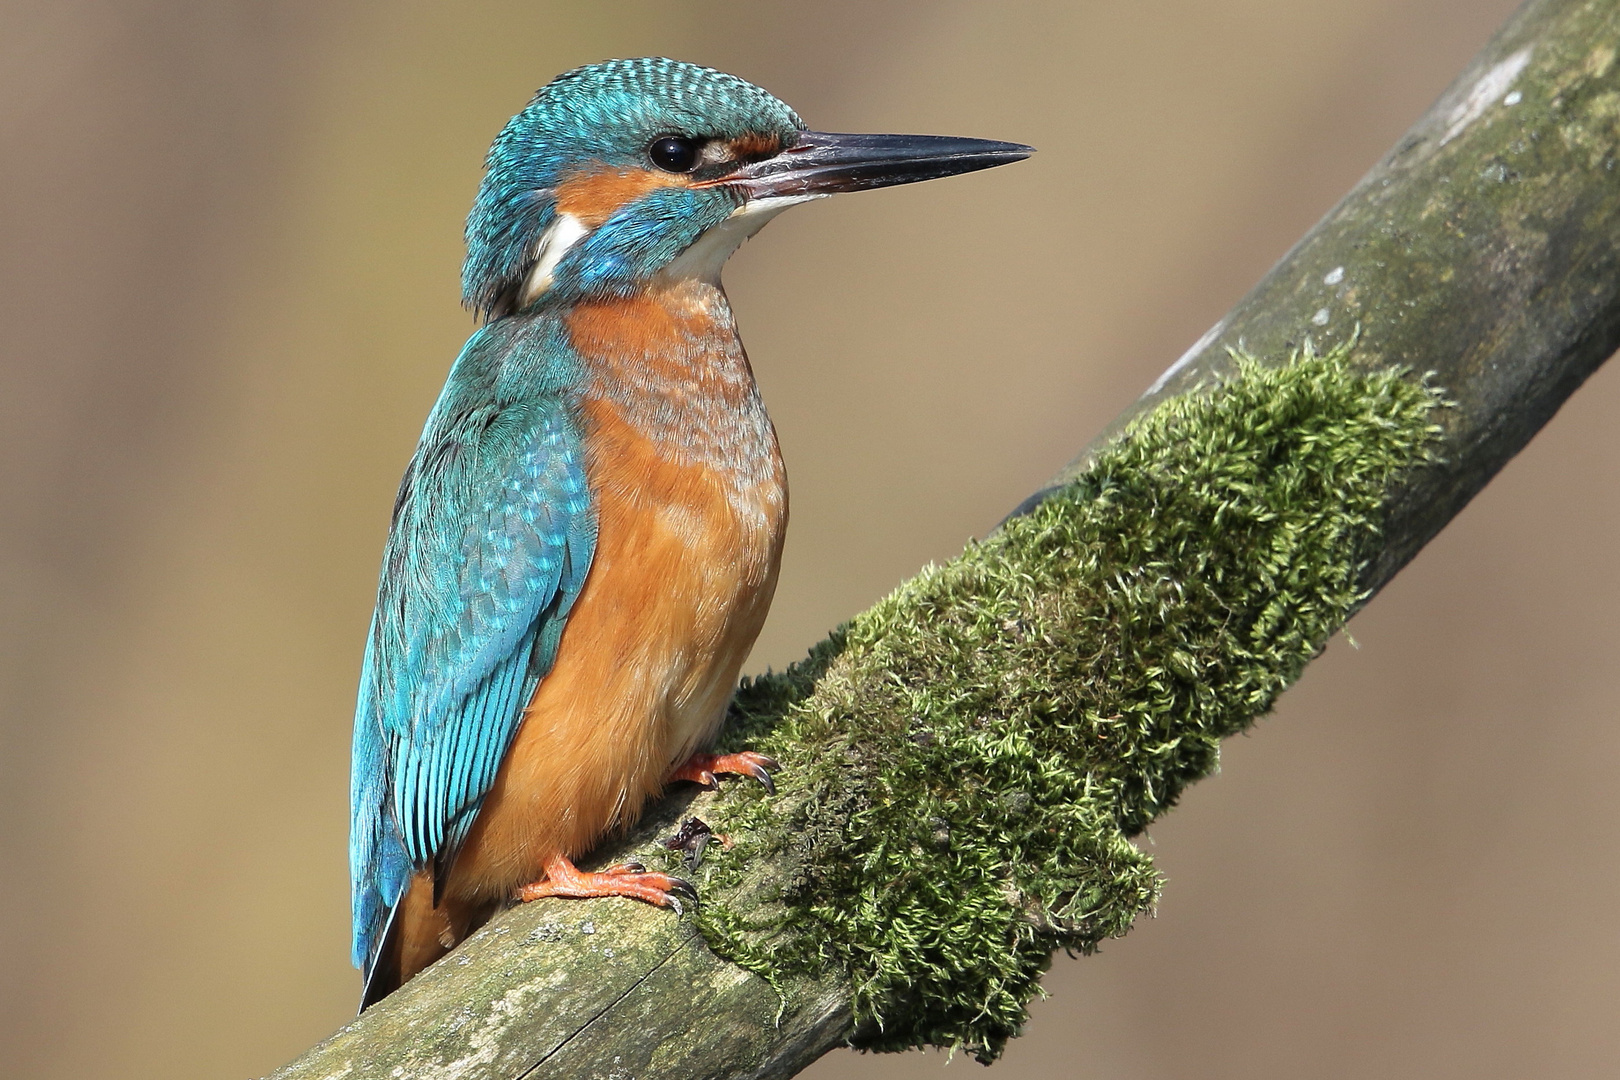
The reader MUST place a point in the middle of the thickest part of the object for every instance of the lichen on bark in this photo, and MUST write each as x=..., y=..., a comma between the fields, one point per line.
x=966, y=763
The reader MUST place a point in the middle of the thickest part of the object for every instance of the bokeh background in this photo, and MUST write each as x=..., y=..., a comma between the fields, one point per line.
x=229, y=245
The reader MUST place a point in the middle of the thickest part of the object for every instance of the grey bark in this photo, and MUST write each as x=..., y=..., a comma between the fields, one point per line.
x=1484, y=248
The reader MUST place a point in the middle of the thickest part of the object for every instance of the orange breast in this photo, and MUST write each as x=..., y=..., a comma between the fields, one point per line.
x=691, y=503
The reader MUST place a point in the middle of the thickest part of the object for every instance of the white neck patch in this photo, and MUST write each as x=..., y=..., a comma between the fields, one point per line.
x=564, y=232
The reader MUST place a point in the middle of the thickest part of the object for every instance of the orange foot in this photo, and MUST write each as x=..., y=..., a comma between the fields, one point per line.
x=563, y=878
x=700, y=768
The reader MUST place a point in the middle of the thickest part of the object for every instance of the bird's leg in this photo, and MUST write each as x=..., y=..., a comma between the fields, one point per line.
x=563, y=878
x=701, y=768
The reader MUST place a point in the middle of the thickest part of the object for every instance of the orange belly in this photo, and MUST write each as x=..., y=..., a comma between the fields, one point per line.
x=688, y=545
x=689, y=540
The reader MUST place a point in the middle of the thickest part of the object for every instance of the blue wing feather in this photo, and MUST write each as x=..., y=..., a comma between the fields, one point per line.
x=492, y=537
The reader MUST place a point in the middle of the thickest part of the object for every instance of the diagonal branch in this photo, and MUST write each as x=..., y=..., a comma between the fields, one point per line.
x=967, y=761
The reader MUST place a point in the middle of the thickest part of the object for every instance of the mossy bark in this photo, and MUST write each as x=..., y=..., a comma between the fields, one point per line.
x=965, y=764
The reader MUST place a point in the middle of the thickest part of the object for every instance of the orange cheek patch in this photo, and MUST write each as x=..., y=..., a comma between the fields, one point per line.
x=594, y=195
x=754, y=147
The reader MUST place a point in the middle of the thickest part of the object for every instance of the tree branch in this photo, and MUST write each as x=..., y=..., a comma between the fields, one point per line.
x=965, y=764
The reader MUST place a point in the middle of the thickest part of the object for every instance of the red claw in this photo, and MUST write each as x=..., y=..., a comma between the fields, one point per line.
x=701, y=768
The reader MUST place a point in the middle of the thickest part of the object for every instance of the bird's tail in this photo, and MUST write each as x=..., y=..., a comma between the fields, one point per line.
x=416, y=933
x=382, y=974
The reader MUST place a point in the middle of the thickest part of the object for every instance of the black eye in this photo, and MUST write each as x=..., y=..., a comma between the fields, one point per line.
x=673, y=153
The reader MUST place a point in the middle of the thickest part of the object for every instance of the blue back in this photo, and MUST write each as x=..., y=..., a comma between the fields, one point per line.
x=492, y=537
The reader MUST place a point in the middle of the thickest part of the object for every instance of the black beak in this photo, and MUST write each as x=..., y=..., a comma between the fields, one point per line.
x=823, y=163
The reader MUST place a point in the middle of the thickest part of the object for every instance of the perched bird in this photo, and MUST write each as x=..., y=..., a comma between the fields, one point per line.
x=586, y=540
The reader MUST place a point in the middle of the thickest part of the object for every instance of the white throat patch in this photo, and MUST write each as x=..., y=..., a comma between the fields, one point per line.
x=703, y=260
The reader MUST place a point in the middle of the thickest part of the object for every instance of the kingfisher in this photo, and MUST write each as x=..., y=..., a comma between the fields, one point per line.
x=586, y=540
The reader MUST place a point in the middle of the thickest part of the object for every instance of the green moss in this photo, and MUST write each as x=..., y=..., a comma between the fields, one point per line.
x=966, y=762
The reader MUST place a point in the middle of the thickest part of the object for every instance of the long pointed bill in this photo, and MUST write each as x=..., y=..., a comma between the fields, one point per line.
x=823, y=163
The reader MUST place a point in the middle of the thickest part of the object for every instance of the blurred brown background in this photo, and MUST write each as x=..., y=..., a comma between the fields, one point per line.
x=229, y=245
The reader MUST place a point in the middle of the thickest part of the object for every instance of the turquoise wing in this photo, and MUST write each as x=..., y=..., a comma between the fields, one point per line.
x=492, y=537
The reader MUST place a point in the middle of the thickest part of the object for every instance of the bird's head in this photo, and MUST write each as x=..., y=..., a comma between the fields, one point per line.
x=623, y=171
